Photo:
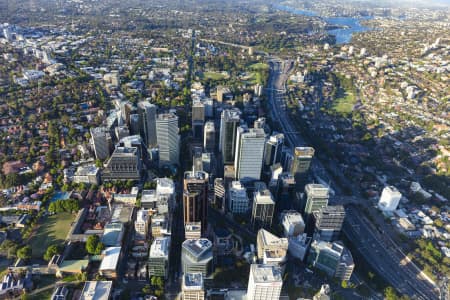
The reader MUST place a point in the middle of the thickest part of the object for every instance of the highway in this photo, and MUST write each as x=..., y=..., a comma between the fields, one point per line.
x=377, y=249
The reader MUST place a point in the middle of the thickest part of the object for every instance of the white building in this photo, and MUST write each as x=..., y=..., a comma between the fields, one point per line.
x=271, y=249
x=238, y=202
x=249, y=153
x=158, y=258
x=390, y=198
x=87, y=174
x=265, y=282
x=293, y=223
x=168, y=139
x=108, y=266
x=141, y=224
x=96, y=290
x=192, y=286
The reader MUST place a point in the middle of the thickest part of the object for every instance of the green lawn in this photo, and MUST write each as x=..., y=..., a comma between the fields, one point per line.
x=214, y=76
x=259, y=66
x=344, y=105
x=52, y=231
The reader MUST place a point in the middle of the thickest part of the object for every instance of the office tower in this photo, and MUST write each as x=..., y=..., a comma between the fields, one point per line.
x=292, y=223
x=300, y=165
x=260, y=123
x=271, y=249
x=101, y=142
x=238, y=202
x=219, y=194
x=285, y=195
x=264, y=283
x=121, y=132
x=329, y=221
x=134, y=124
x=287, y=159
x=273, y=149
x=192, y=286
x=209, y=107
x=332, y=258
x=124, y=163
x=141, y=224
x=316, y=197
x=208, y=165
x=228, y=130
x=249, y=153
x=136, y=142
x=126, y=110
x=147, y=122
x=209, y=139
x=198, y=118
x=263, y=209
x=195, y=199
x=299, y=245
x=158, y=258
x=197, y=163
x=197, y=256
x=193, y=230
x=390, y=198
x=168, y=139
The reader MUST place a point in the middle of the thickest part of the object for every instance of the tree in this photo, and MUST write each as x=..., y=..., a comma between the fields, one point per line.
x=24, y=252
x=51, y=250
x=93, y=245
x=389, y=293
x=9, y=248
x=147, y=289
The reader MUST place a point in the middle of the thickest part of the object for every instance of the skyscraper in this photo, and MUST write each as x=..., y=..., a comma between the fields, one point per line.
x=264, y=283
x=101, y=142
x=238, y=202
x=329, y=221
x=198, y=119
x=228, y=130
x=197, y=256
x=273, y=149
x=301, y=163
x=209, y=139
x=168, y=138
x=195, y=193
x=316, y=197
x=263, y=208
x=147, y=122
x=249, y=153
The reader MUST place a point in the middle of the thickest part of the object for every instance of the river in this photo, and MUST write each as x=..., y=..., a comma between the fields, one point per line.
x=343, y=35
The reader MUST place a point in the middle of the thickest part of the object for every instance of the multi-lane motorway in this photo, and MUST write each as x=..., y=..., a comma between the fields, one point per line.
x=378, y=250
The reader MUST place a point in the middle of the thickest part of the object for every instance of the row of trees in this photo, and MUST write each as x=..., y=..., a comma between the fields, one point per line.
x=70, y=205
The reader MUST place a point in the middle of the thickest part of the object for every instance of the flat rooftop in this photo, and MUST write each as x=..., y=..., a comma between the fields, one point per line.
x=197, y=246
x=193, y=281
x=266, y=273
x=96, y=290
x=160, y=247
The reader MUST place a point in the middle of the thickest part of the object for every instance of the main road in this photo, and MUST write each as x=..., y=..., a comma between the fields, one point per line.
x=378, y=250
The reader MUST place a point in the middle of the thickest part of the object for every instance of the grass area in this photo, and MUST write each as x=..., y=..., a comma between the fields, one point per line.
x=344, y=104
x=259, y=66
x=214, y=76
x=52, y=231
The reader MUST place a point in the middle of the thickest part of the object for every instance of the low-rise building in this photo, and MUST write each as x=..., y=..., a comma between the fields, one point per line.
x=96, y=290
x=87, y=174
x=110, y=262
x=113, y=234
x=141, y=224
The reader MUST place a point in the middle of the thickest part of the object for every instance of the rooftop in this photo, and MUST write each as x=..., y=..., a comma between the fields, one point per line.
x=193, y=281
x=266, y=273
x=304, y=151
x=110, y=259
x=264, y=197
x=96, y=290
x=197, y=246
x=160, y=247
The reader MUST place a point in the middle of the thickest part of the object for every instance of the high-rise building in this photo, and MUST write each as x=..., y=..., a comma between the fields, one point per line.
x=265, y=282
x=299, y=245
x=219, y=193
x=126, y=110
x=273, y=150
x=329, y=221
x=198, y=118
x=193, y=230
x=158, y=258
x=286, y=195
x=263, y=209
x=192, y=286
x=168, y=139
x=238, y=202
x=197, y=256
x=302, y=160
x=209, y=139
x=141, y=224
x=390, y=198
x=292, y=223
x=195, y=197
x=260, y=123
x=332, y=258
x=124, y=163
x=249, y=153
x=101, y=142
x=134, y=124
x=271, y=249
x=147, y=122
x=228, y=132
x=317, y=196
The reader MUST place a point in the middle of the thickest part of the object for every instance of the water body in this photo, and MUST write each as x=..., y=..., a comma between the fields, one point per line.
x=348, y=25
